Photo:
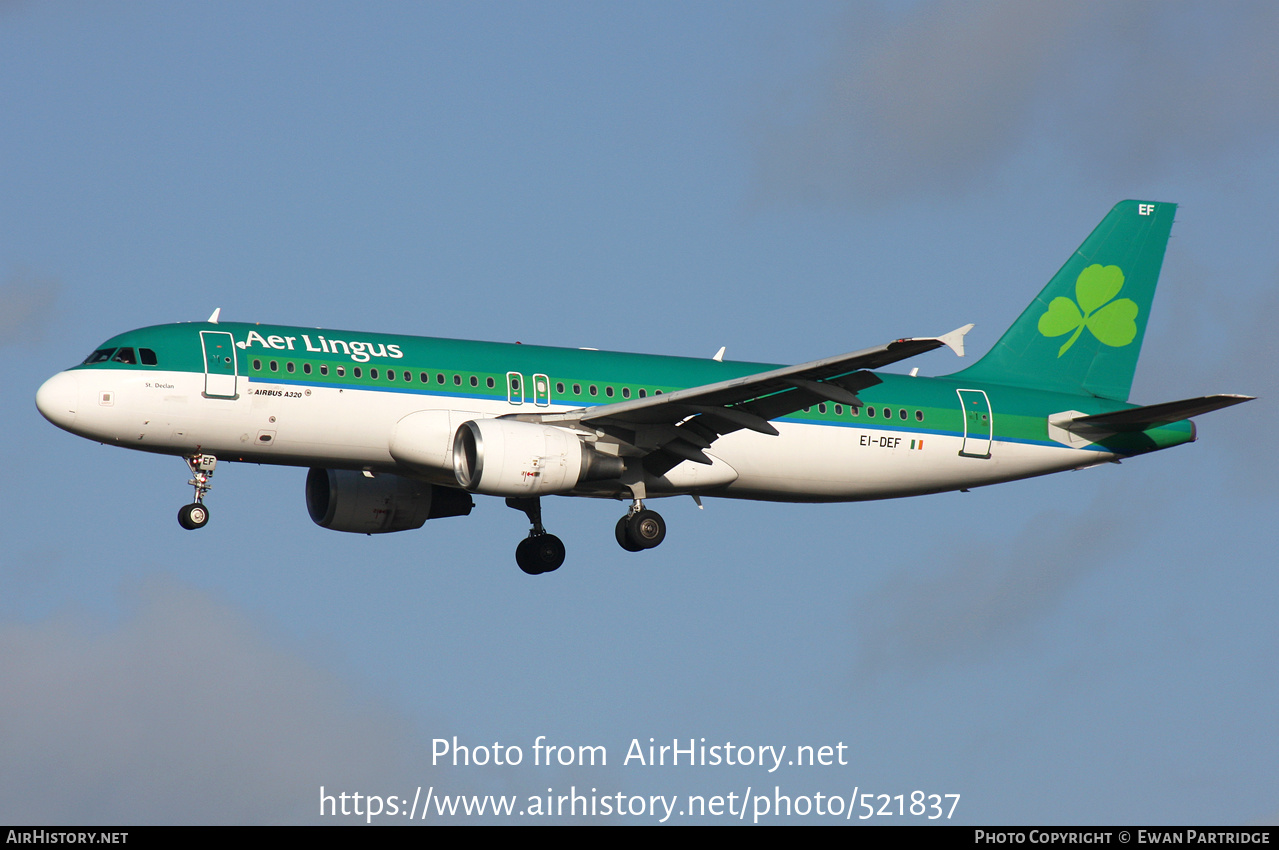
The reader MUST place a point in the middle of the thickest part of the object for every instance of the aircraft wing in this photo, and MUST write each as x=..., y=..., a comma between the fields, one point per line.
x=677, y=426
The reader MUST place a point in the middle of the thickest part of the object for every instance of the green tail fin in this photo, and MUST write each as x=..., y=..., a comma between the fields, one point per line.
x=1083, y=333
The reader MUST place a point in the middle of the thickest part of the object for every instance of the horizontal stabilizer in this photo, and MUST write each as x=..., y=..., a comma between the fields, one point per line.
x=1142, y=418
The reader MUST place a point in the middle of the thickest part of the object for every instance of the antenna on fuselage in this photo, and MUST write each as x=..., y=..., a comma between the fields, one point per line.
x=213, y=320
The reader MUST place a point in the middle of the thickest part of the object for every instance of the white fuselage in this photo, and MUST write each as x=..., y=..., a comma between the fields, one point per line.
x=168, y=412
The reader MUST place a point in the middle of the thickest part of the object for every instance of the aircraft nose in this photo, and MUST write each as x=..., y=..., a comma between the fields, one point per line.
x=58, y=398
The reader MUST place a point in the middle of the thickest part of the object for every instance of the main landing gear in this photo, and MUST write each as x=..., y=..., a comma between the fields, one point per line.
x=196, y=515
x=539, y=552
x=640, y=529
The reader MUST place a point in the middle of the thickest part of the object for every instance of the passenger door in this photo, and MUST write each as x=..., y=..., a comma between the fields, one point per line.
x=220, y=364
x=978, y=423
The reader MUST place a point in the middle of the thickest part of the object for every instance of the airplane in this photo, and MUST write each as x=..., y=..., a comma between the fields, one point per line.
x=397, y=430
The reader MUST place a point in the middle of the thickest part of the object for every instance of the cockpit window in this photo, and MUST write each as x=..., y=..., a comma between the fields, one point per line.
x=127, y=356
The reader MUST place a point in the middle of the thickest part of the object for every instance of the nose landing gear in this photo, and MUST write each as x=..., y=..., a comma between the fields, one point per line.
x=196, y=515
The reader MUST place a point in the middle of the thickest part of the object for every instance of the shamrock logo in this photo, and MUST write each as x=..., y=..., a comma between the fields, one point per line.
x=1111, y=321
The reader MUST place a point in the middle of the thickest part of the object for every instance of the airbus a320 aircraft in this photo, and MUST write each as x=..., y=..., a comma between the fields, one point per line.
x=397, y=430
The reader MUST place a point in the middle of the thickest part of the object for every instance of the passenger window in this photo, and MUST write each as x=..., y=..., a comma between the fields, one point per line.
x=491, y=383
x=821, y=408
x=372, y=374
x=608, y=391
x=626, y=392
x=839, y=409
x=341, y=371
x=324, y=368
x=559, y=388
x=439, y=378
x=424, y=378
x=593, y=390
x=257, y=365
x=919, y=416
x=902, y=413
x=357, y=371
x=289, y=367
x=147, y=356
x=457, y=380
x=306, y=367
x=475, y=382
x=577, y=389
x=275, y=367
x=870, y=411
x=408, y=376
x=643, y=393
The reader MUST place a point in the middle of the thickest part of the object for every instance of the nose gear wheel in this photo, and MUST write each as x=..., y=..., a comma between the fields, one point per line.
x=196, y=515
x=193, y=516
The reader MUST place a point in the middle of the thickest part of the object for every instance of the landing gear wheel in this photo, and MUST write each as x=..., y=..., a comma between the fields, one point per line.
x=623, y=538
x=643, y=529
x=541, y=553
x=196, y=515
x=193, y=516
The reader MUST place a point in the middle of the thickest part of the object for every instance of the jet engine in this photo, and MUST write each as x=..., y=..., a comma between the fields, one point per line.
x=508, y=457
x=424, y=440
x=349, y=501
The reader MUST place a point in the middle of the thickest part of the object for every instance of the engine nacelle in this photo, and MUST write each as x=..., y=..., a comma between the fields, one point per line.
x=348, y=501
x=424, y=439
x=507, y=457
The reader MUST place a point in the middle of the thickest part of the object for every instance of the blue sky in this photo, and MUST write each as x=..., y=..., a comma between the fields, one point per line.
x=787, y=180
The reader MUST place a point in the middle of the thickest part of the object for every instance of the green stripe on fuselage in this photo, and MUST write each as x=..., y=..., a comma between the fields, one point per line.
x=1019, y=414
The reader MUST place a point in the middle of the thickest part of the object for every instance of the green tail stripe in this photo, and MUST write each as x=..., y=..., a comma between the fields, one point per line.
x=1083, y=333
